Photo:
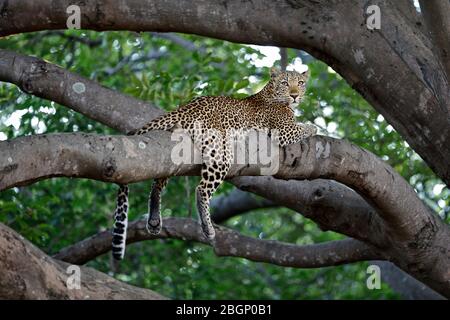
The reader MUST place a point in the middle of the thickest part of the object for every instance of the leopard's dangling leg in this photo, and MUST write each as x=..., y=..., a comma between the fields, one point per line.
x=214, y=170
x=154, y=221
x=120, y=223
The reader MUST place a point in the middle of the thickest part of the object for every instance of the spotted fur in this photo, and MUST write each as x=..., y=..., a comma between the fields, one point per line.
x=209, y=121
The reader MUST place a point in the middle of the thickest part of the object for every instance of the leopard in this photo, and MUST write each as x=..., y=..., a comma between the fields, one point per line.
x=272, y=108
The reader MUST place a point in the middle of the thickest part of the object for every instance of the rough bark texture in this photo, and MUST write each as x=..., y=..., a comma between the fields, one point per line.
x=28, y=273
x=404, y=284
x=394, y=68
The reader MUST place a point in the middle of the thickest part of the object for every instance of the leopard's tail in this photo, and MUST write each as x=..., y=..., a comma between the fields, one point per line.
x=164, y=122
x=119, y=234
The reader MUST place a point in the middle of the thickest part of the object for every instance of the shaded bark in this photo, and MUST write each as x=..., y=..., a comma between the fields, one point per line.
x=28, y=273
x=394, y=68
x=49, y=81
x=408, y=68
x=436, y=16
x=231, y=244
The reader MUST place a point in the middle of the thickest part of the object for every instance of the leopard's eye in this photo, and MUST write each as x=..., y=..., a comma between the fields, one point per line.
x=301, y=82
x=284, y=83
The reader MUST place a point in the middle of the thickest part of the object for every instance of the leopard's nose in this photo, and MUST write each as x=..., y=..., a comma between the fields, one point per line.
x=294, y=96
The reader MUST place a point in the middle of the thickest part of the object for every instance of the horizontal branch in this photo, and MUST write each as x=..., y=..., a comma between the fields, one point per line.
x=123, y=159
x=28, y=273
x=49, y=81
x=229, y=243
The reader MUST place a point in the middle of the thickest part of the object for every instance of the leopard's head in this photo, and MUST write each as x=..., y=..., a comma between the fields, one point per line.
x=288, y=87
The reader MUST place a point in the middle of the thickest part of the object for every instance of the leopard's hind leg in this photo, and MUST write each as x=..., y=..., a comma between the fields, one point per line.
x=165, y=122
x=217, y=158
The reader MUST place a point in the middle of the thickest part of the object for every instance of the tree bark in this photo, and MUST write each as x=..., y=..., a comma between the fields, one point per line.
x=331, y=205
x=229, y=243
x=394, y=68
x=28, y=273
x=436, y=16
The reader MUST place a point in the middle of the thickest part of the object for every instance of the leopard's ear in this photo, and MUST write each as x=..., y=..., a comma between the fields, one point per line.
x=306, y=74
x=274, y=71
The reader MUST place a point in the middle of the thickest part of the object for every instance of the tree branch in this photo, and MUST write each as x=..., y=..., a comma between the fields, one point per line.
x=85, y=96
x=231, y=244
x=332, y=206
x=235, y=203
x=401, y=282
x=188, y=45
x=436, y=15
x=123, y=159
x=28, y=273
x=384, y=65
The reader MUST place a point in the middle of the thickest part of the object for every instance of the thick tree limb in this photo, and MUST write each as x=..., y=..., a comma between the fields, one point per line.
x=394, y=68
x=85, y=96
x=229, y=243
x=28, y=273
x=330, y=204
x=436, y=15
x=403, y=283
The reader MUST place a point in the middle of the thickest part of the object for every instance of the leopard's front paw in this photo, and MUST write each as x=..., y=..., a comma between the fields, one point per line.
x=312, y=129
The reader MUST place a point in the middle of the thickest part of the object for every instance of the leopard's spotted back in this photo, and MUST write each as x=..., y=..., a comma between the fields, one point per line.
x=271, y=109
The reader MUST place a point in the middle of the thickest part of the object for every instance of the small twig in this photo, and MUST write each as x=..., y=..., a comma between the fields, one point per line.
x=284, y=58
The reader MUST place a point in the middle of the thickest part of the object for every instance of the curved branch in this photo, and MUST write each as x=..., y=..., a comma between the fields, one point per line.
x=28, y=273
x=326, y=202
x=235, y=203
x=436, y=17
x=330, y=204
x=48, y=81
x=229, y=243
x=384, y=65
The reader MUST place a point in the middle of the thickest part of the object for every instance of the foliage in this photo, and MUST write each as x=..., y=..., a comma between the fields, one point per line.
x=58, y=212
